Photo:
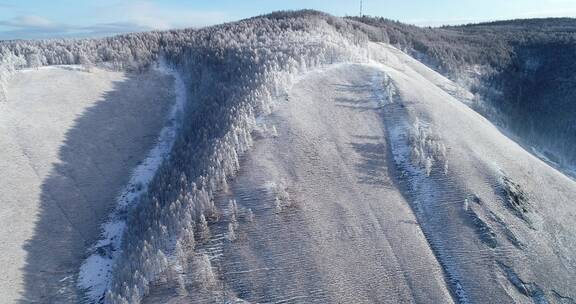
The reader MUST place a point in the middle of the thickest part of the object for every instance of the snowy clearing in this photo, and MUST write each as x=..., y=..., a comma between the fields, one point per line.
x=69, y=139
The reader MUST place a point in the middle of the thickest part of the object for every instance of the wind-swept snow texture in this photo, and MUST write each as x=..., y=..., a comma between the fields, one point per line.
x=329, y=224
x=373, y=183
x=69, y=140
x=499, y=220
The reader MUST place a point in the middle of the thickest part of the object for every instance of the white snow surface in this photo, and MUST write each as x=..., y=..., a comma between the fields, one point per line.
x=69, y=139
x=368, y=183
x=96, y=272
x=491, y=250
x=329, y=226
x=381, y=186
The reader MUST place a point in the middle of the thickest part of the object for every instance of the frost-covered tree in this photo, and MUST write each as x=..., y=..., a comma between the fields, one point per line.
x=233, y=207
x=33, y=60
x=231, y=233
x=203, y=228
x=277, y=205
x=249, y=216
x=202, y=272
x=234, y=220
x=181, y=285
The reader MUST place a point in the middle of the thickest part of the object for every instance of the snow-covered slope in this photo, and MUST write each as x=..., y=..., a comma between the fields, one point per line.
x=330, y=226
x=499, y=219
x=372, y=183
x=69, y=140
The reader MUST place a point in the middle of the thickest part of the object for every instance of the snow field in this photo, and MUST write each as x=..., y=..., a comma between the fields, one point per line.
x=69, y=140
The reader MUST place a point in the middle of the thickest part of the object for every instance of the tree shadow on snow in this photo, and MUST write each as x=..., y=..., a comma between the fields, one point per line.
x=372, y=168
x=352, y=88
x=106, y=142
x=355, y=104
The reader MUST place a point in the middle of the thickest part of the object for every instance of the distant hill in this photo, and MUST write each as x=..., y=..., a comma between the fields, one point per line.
x=521, y=70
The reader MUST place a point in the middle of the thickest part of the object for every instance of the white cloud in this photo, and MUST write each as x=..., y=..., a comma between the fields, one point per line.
x=131, y=16
x=35, y=27
x=29, y=21
x=148, y=14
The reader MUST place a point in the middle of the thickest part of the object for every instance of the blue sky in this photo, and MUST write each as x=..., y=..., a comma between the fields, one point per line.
x=77, y=18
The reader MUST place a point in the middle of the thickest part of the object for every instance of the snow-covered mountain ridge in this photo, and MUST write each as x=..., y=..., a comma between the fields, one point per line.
x=312, y=165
